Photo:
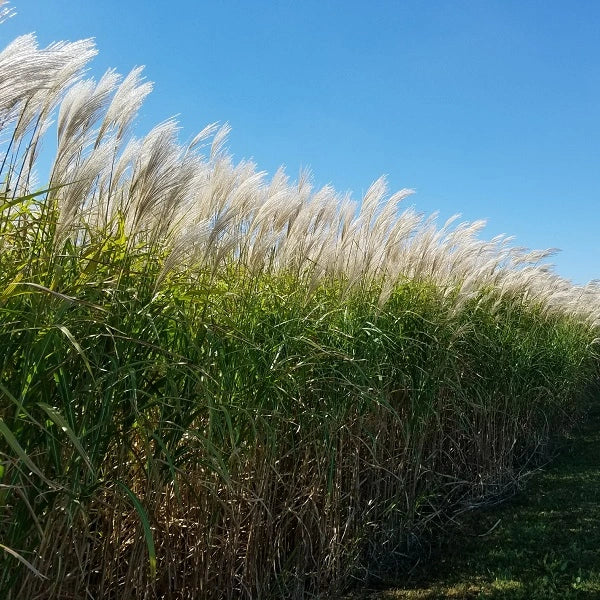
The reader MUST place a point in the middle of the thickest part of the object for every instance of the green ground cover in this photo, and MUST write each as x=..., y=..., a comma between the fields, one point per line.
x=541, y=544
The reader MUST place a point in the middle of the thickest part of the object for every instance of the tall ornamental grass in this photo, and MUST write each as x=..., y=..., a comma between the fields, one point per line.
x=219, y=385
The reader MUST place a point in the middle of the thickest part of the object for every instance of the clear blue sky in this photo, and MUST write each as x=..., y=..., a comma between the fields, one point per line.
x=486, y=108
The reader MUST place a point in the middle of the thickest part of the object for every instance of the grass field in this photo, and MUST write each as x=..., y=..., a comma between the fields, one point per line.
x=219, y=385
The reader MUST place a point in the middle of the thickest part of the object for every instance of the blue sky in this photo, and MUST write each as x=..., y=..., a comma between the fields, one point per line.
x=486, y=108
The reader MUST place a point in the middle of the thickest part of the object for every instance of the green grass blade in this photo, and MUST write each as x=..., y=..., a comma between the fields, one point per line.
x=77, y=346
x=145, y=524
x=20, y=452
x=61, y=423
x=23, y=560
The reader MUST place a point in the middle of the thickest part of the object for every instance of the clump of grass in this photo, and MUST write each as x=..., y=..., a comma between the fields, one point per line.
x=214, y=385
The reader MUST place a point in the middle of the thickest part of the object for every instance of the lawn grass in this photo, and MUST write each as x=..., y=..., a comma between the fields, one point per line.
x=541, y=544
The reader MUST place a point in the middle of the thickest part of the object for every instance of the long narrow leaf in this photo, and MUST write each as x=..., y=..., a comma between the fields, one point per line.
x=60, y=422
x=145, y=524
x=20, y=452
x=23, y=560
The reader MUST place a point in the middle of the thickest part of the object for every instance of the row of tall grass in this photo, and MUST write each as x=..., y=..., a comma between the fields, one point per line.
x=213, y=385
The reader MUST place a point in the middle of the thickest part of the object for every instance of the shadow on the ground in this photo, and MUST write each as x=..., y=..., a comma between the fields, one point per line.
x=543, y=544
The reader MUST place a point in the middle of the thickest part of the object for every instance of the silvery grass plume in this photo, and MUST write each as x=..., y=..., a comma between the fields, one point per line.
x=206, y=211
x=32, y=83
x=5, y=11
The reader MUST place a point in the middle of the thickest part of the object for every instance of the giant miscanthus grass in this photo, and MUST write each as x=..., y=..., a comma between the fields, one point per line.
x=209, y=211
x=218, y=384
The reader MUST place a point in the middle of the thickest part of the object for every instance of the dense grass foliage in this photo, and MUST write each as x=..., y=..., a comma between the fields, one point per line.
x=241, y=435
x=212, y=386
